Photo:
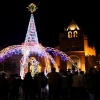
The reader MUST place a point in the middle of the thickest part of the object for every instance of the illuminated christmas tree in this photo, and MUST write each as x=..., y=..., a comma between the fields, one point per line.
x=31, y=36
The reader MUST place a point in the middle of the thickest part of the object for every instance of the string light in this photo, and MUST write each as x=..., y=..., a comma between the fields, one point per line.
x=18, y=49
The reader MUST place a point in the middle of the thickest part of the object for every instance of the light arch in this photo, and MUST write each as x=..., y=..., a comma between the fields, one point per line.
x=9, y=51
x=63, y=55
x=18, y=49
x=38, y=49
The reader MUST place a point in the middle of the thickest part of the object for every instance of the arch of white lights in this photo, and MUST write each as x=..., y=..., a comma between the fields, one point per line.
x=18, y=49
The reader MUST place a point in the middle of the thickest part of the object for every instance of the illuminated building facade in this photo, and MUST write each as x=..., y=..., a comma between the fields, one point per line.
x=75, y=43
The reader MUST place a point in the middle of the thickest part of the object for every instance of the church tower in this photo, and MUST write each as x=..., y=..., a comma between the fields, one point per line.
x=75, y=44
x=73, y=35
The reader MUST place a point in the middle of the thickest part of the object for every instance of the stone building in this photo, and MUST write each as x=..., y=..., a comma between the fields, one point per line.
x=75, y=44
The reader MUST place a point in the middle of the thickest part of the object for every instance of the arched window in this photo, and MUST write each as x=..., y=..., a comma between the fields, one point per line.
x=69, y=34
x=75, y=34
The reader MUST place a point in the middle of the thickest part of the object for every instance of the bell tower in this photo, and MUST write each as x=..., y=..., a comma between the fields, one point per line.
x=71, y=37
x=72, y=43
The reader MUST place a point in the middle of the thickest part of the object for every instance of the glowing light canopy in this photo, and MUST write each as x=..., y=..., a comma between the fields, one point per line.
x=36, y=49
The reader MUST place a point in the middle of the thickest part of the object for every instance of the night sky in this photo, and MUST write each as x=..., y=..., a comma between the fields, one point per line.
x=51, y=18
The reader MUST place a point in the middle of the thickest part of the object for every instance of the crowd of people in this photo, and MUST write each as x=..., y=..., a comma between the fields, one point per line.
x=65, y=85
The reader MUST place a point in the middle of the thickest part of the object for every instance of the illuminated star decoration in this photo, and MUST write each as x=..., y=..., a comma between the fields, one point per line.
x=32, y=7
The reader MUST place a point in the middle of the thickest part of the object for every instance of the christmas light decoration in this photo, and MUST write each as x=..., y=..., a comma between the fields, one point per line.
x=34, y=65
x=18, y=49
x=31, y=36
x=32, y=7
x=32, y=46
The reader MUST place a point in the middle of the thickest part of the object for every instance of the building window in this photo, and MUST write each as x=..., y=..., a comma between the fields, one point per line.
x=69, y=34
x=75, y=34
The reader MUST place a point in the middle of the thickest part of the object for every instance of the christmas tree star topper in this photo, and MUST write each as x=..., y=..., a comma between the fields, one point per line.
x=32, y=7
